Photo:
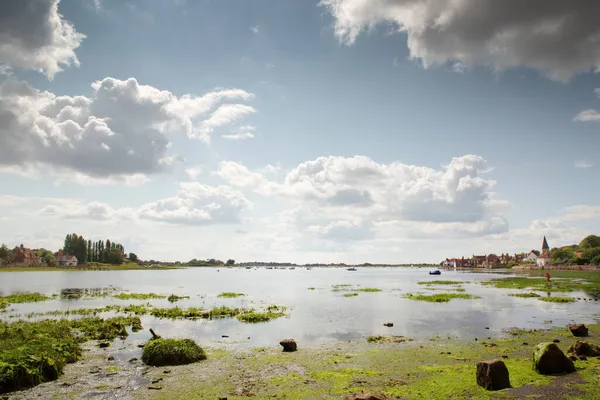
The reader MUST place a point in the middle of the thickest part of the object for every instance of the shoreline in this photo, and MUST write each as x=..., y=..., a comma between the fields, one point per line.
x=432, y=368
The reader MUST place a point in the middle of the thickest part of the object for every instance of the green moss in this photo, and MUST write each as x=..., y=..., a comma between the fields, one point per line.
x=36, y=352
x=557, y=299
x=138, y=296
x=311, y=288
x=162, y=352
x=231, y=295
x=350, y=294
x=439, y=297
x=173, y=298
x=524, y=295
x=520, y=332
x=441, y=283
x=367, y=290
x=561, y=281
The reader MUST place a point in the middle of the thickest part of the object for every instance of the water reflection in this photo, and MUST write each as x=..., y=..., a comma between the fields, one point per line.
x=315, y=316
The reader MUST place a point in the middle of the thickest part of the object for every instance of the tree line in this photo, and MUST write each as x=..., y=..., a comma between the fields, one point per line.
x=99, y=251
x=586, y=252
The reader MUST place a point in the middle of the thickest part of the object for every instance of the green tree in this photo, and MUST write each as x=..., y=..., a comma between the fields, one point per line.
x=48, y=258
x=562, y=255
x=230, y=262
x=590, y=242
x=591, y=253
x=595, y=260
x=133, y=257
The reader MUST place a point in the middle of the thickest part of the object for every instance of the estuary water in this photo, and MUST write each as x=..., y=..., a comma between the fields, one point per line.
x=314, y=316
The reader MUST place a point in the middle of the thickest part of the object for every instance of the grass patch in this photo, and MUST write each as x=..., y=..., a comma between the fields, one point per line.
x=231, y=295
x=350, y=294
x=253, y=317
x=311, y=288
x=557, y=299
x=367, y=290
x=173, y=298
x=17, y=298
x=162, y=352
x=520, y=332
x=138, y=296
x=562, y=281
x=524, y=295
x=388, y=339
x=441, y=283
x=36, y=352
x=439, y=297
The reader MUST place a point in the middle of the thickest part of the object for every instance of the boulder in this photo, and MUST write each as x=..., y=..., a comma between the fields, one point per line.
x=579, y=330
x=492, y=375
x=368, y=396
x=581, y=348
x=289, y=345
x=548, y=359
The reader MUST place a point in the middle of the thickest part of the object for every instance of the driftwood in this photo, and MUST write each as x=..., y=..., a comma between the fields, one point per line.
x=154, y=335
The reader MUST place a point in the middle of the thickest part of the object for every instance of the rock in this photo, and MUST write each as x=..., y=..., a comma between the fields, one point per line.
x=167, y=371
x=141, y=345
x=492, y=375
x=110, y=358
x=368, y=396
x=157, y=380
x=579, y=330
x=103, y=344
x=556, y=341
x=224, y=336
x=582, y=358
x=289, y=345
x=525, y=344
x=155, y=387
x=132, y=360
x=388, y=324
x=581, y=348
x=548, y=359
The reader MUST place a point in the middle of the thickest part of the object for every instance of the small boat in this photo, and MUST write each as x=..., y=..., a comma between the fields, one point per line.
x=309, y=268
x=351, y=269
x=292, y=268
x=436, y=272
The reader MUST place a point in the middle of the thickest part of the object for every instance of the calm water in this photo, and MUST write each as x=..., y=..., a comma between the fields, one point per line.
x=315, y=316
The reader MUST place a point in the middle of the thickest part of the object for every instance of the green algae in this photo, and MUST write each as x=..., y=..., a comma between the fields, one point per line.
x=350, y=294
x=254, y=317
x=441, y=282
x=388, y=339
x=367, y=290
x=138, y=296
x=163, y=352
x=524, y=295
x=36, y=352
x=561, y=281
x=439, y=297
x=173, y=298
x=311, y=288
x=17, y=298
x=557, y=299
x=231, y=295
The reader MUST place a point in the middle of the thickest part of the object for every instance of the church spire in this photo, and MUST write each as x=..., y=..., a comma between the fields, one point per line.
x=545, y=245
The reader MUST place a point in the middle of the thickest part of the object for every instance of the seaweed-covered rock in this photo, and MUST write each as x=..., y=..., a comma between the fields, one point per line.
x=579, y=330
x=548, y=359
x=161, y=352
x=368, y=396
x=581, y=348
x=289, y=345
x=492, y=375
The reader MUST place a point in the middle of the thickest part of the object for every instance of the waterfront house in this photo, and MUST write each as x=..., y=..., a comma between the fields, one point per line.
x=24, y=256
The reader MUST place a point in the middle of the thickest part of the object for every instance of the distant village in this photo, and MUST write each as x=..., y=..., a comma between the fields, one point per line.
x=533, y=259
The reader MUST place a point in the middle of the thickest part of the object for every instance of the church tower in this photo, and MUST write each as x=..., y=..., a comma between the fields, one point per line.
x=545, y=259
x=545, y=247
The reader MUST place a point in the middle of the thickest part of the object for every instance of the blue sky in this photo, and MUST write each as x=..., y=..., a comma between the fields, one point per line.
x=342, y=132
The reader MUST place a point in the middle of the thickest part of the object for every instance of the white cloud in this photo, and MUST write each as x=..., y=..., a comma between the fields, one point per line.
x=337, y=195
x=241, y=133
x=557, y=37
x=255, y=29
x=197, y=204
x=118, y=132
x=33, y=35
x=194, y=172
x=589, y=115
x=95, y=211
x=583, y=164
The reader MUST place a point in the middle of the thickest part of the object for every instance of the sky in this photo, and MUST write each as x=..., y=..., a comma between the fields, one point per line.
x=383, y=131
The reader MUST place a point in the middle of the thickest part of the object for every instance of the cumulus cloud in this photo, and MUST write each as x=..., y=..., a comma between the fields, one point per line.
x=33, y=35
x=350, y=193
x=194, y=204
x=120, y=130
x=557, y=37
x=194, y=172
x=197, y=204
